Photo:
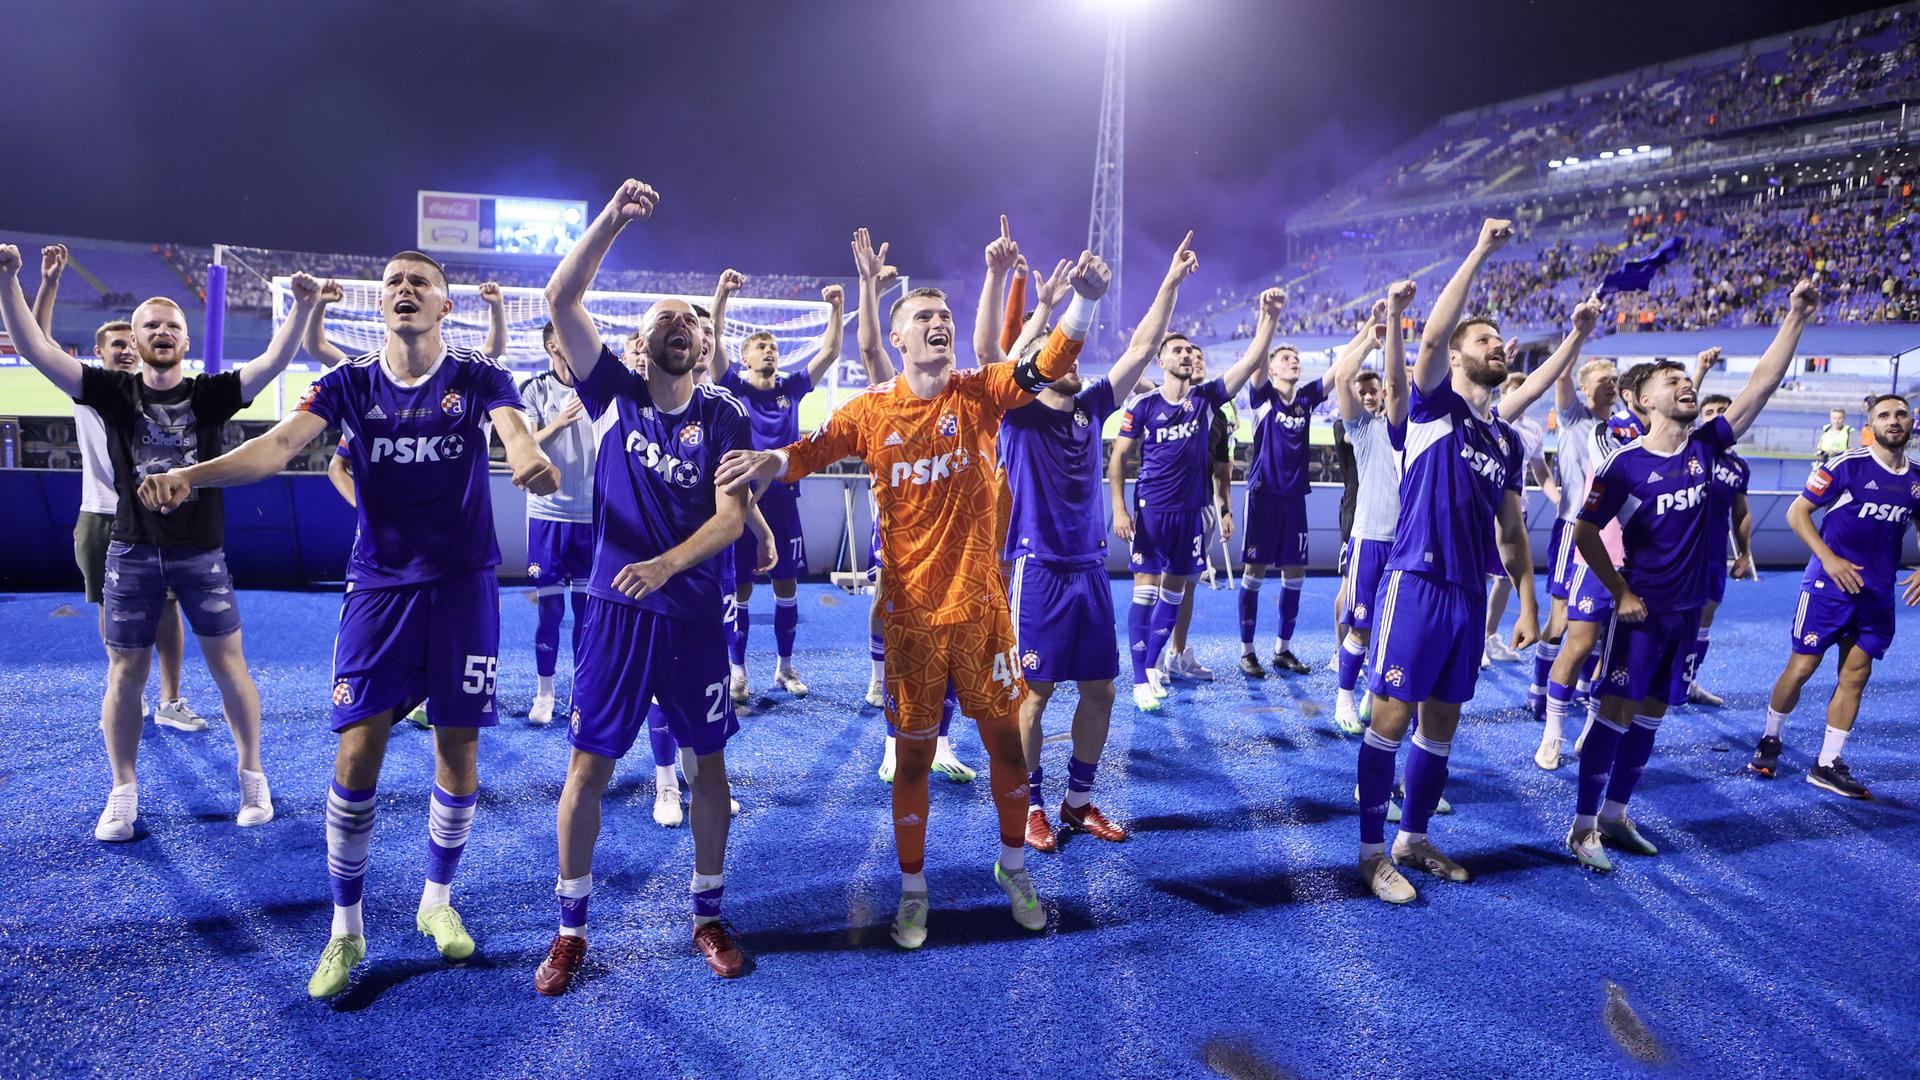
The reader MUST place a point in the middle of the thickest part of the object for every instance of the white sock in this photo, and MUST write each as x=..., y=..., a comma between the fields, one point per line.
x=546, y=687
x=1281, y=644
x=435, y=894
x=1013, y=858
x=1585, y=823
x=1403, y=838
x=346, y=921
x=942, y=748
x=1612, y=811
x=1556, y=720
x=1776, y=722
x=913, y=883
x=738, y=671
x=1342, y=698
x=1836, y=741
x=879, y=671
x=665, y=780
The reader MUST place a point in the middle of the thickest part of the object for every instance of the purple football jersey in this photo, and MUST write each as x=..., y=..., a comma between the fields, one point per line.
x=1052, y=459
x=1457, y=469
x=1869, y=510
x=419, y=458
x=1670, y=525
x=773, y=415
x=1280, y=444
x=653, y=483
x=1174, y=471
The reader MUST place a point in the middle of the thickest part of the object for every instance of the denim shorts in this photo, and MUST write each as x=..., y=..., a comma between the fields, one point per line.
x=139, y=576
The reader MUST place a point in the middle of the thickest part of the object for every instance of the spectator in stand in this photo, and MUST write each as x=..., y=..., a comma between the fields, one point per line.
x=1836, y=438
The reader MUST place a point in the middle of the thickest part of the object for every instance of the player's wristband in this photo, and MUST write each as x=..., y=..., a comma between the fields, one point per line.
x=1078, y=318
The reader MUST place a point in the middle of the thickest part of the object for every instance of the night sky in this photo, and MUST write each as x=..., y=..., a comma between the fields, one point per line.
x=771, y=128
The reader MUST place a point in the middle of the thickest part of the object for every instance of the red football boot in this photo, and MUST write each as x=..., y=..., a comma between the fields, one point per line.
x=1091, y=821
x=564, y=958
x=1039, y=832
x=712, y=941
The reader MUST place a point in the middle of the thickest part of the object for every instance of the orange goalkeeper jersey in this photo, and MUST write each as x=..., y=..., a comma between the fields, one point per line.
x=933, y=466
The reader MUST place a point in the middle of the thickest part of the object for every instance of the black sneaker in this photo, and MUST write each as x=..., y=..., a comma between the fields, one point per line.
x=1766, y=756
x=1838, y=779
x=1284, y=660
x=1250, y=666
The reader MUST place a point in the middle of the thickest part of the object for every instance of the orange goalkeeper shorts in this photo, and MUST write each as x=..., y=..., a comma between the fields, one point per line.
x=978, y=656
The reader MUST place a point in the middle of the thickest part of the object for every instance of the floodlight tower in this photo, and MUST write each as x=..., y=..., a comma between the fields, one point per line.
x=1106, y=222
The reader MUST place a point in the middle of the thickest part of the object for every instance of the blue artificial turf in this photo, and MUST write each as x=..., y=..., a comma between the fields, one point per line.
x=1773, y=934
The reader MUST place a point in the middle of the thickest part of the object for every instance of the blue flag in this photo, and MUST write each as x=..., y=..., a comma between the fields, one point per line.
x=1636, y=274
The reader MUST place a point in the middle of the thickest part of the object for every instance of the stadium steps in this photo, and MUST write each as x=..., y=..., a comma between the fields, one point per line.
x=1511, y=172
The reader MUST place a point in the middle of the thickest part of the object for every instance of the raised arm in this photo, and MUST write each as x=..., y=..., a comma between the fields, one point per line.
x=496, y=301
x=743, y=471
x=1393, y=356
x=1773, y=363
x=1703, y=366
x=1430, y=370
x=1002, y=253
x=1145, y=343
x=316, y=343
x=1343, y=369
x=1252, y=365
x=53, y=262
x=1014, y=319
x=256, y=373
x=731, y=281
x=567, y=290
x=31, y=342
x=872, y=268
x=1047, y=295
x=829, y=354
x=256, y=459
x=1514, y=405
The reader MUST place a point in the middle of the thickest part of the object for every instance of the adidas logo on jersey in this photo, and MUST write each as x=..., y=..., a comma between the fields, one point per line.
x=1873, y=485
x=676, y=471
x=375, y=413
x=412, y=449
x=894, y=439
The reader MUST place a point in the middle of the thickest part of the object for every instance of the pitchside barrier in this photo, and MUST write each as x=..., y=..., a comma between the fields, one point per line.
x=294, y=531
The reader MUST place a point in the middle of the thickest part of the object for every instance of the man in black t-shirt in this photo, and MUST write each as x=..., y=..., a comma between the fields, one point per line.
x=156, y=420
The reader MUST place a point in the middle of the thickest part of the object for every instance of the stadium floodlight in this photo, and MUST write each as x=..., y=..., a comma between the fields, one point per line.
x=1554, y=164
x=1643, y=148
x=1625, y=151
x=1606, y=155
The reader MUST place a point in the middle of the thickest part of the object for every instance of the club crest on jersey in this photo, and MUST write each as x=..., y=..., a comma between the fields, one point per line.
x=1030, y=660
x=342, y=693
x=1395, y=676
x=1916, y=491
x=1359, y=610
x=1080, y=418
x=1810, y=639
x=533, y=570
x=949, y=424
x=690, y=435
x=1586, y=605
x=1617, y=677
x=782, y=403
x=1694, y=467
x=452, y=405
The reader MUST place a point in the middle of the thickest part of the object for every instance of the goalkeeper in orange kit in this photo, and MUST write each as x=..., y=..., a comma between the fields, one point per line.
x=927, y=438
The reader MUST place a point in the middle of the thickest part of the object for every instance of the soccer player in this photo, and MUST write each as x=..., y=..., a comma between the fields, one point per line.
x=157, y=420
x=1276, y=507
x=1658, y=486
x=925, y=438
x=1846, y=595
x=559, y=525
x=1731, y=476
x=1216, y=523
x=1373, y=415
x=1057, y=542
x=1583, y=403
x=1164, y=528
x=113, y=347
x=654, y=630
x=421, y=616
x=772, y=399
x=331, y=355
x=1458, y=494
